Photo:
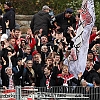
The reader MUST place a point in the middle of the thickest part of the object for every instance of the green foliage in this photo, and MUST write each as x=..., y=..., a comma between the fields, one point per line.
x=30, y=7
x=97, y=13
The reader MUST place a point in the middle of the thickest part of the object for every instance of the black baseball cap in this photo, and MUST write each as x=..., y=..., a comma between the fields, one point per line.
x=69, y=10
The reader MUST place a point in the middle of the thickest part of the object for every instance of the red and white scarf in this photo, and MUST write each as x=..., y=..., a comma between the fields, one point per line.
x=66, y=78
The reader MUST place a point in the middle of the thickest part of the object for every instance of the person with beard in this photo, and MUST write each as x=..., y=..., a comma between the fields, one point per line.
x=9, y=17
x=65, y=20
x=93, y=73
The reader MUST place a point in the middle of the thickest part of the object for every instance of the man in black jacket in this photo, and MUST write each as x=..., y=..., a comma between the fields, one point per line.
x=38, y=66
x=9, y=17
x=41, y=20
x=8, y=82
x=95, y=91
x=65, y=20
x=95, y=72
x=19, y=71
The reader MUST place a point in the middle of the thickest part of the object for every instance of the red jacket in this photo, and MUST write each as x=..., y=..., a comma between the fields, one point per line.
x=32, y=44
x=92, y=37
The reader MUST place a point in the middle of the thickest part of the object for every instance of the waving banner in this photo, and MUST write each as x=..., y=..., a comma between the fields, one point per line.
x=81, y=40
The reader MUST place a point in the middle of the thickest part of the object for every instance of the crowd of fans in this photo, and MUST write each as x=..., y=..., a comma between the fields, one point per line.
x=38, y=57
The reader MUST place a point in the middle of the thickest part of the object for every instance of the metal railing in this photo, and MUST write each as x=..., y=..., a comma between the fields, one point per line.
x=52, y=93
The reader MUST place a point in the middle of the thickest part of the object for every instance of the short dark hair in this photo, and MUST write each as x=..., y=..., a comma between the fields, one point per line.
x=44, y=36
x=36, y=32
x=49, y=58
x=16, y=29
x=97, y=80
x=56, y=54
x=49, y=68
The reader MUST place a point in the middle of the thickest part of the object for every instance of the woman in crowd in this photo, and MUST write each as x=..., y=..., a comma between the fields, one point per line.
x=66, y=78
x=30, y=73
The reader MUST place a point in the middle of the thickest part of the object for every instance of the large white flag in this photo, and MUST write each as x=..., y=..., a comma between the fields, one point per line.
x=81, y=40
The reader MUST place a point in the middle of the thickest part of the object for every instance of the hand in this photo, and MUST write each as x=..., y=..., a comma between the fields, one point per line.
x=39, y=60
x=38, y=38
x=12, y=33
x=41, y=30
x=58, y=27
x=33, y=84
x=96, y=38
x=91, y=66
x=4, y=62
x=54, y=62
x=53, y=34
x=80, y=75
x=87, y=89
x=57, y=63
x=23, y=60
x=51, y=49
x=18, y=42
x=55, y=42
x=7, y=24
x=60, y=46
x=14, y=53
x=71, y=28
x=98, y=33
x=5, y=87
x=65, y=40
x=66, y=48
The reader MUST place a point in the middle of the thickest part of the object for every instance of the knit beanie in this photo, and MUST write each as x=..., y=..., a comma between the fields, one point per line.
x=8, y=4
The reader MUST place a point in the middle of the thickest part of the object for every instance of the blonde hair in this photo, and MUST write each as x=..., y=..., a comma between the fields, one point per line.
x=30, y=69
x=63, y=66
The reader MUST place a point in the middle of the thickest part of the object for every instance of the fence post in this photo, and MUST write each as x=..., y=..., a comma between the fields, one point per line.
x=18, y=93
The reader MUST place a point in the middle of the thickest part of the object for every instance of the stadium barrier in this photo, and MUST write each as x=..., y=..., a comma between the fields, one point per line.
x=52, y=93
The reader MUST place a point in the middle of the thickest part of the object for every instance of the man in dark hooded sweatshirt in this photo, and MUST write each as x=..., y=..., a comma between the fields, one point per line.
x=41, y=20
x=9, y=17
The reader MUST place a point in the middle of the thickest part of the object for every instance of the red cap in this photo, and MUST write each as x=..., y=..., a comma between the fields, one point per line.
x=34, y=52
